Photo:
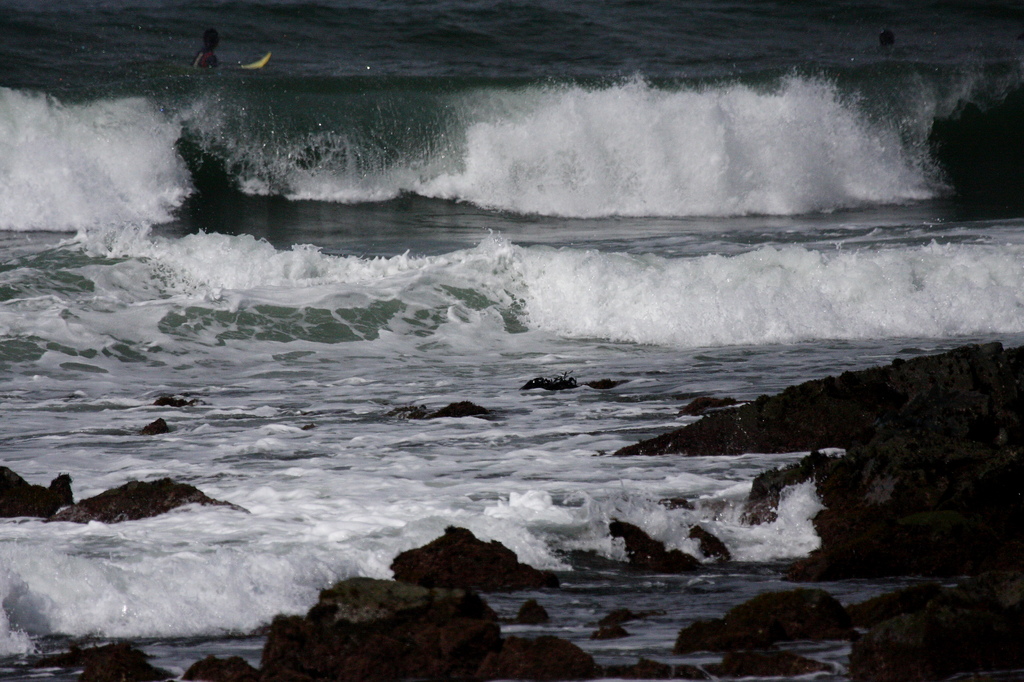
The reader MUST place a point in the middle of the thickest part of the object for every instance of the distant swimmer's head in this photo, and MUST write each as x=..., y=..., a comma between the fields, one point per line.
x=886, y=38
x=211, y=39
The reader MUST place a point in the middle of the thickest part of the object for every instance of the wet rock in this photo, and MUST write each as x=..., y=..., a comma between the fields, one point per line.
x=604, y=384
x=543, y=658
x=460, y=409
x=176, y=401
x=459, y=559
x=410, y=412
x=970, y=392
x=973, y=627
x=532, y=613
x=644, y=669
x=883, y=607
x=18, y=497
x=610, y=632
x=766, y=489
x=365, y=629
x=769, y=618
x=620, y=616
x=677, y=503
x=773, y=664
x=212, y=669
x=110, y=663
x=704, y=404
x=710, y=546
x=155, y=428
x=648, y=554
x=136, y=500
x=561, y=382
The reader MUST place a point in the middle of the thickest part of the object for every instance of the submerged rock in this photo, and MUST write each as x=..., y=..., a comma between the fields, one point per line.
x=459, y=559
x=136, y=500
x=610, y=632
x=646, y=553
x=176, y=401
x=544, y=658
x=769, y=618
x=620, y=616
x=18, y=497
x=561, y=382
x=155, y=428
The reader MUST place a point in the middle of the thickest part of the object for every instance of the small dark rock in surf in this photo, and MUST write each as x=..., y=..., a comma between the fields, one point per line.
x=459, y=559
x=176, y=401
x=648, y=554
x=110, y=663
x=560, y=382
x=155, y=428
x=21, y=498
x=886, y=38
x=699, y=406
x=532, y=613
x=136, y=500
x=710, y=546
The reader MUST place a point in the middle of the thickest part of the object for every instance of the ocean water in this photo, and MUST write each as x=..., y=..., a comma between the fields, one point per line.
x=420, y=203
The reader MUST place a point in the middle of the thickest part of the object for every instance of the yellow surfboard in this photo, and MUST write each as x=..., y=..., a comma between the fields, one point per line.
x=259, y=63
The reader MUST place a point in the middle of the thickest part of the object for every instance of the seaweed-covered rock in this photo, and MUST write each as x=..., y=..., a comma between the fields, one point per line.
x=543, y=658
x=119, y=662
x=560, y=382
x=363, y=629
x=648, y=554
x=18, y=497
x=771, y=664
x=136, y=500
x=459, y=559
x=213, y=669
x=769, y=618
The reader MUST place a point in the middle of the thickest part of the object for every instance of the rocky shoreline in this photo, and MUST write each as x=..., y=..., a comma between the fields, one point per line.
x=931, y=484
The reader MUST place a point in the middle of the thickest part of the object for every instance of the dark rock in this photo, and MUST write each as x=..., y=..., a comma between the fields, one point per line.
x=766, y=490
x=610, y=632
x=20, y=498
x=176, y=401
x=308, y=427
x=677, y=503
x=604, y=384
x=155, y=428
x=703, y=404
x=560, y=382
x=883, y=607
x=689, y=672
x=110, y=663
x=136, y=500
x=970, y=392
x=620, y=616
x=532, y=613
x=644, y=669
x=61, y=487
x=363, y=629
x=973, y=627
x=769, y=618
x=773, y=664
x=460, y=409
x=212, y=669
x=459, y=559
x=410, y=412
x=544, y=658
x=710, y=546
x=648, y=554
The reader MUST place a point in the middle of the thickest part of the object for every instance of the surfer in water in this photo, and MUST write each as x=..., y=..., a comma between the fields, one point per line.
x=205, y=58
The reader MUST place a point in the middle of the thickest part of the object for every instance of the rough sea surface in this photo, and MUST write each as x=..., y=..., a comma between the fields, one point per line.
x=418, y=203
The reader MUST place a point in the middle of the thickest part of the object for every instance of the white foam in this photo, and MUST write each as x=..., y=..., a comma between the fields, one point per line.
x=69, y=167
x=637, y=150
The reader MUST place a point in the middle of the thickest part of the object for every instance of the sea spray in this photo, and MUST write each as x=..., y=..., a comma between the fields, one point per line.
x=69, y=167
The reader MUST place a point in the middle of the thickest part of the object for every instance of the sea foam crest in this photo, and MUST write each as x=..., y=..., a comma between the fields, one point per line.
x=636, y=150
x=70, y=167
x=776, y=295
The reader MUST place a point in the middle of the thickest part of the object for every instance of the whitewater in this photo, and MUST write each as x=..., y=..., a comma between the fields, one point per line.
x=420, y=204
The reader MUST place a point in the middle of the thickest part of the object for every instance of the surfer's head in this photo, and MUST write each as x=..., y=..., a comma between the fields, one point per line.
x=211, y=39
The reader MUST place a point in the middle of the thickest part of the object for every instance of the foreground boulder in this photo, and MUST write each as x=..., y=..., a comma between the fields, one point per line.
x=973, y=627
x=212, y=669
x=459, y=559
x=365, y=629
x=648, y=554
x=110, y=663
x=20, y=498
x=769, y=618
x=136, y=500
